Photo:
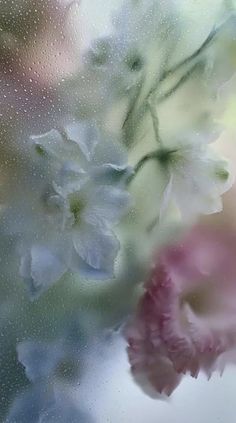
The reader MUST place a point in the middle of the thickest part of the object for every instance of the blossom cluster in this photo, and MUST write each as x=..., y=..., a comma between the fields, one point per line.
x=78, y=204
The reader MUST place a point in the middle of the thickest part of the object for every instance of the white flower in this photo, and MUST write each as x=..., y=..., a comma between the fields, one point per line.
x=47, y=404
x=65, y=220
x=196, y=179
x=117, y=68
x=113, y=71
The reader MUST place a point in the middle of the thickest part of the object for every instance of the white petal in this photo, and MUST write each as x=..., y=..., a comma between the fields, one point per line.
x=49, y=143
x=64, y=410
x=77, y=265
x=110, y=153
x=166, y=197
x=85, y=135
x=72, y=174
x=56, y=146
x=199, y=179
x=98, y=249
x=224, y=175
x=39, y=358
x=41, y=268
x=111, y=174
x=27, y=407
x=106, y=205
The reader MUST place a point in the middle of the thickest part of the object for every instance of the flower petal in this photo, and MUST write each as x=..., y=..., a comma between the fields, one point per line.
x=40, y=268
x=46, y=404
x=185, y=321
x=65, y=410
x=83, y=134
x=50, y=143
x=106, y=205
x=29, y=406
x=110, y=153
x=98, y=249
x=166, y=197
x=199, y=180
x=39, y=358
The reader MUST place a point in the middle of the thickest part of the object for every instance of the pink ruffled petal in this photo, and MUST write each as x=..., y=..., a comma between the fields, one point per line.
x=186, y=320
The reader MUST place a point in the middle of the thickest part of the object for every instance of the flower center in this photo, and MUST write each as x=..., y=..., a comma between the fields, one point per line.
x=165, y=156
x=134, y=62
x=222, y=174
x=76, y=207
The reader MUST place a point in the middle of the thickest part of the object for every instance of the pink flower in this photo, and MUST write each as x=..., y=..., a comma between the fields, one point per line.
x=186, y=319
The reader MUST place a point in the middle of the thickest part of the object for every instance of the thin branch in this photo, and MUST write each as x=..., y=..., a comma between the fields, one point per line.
x=141, y=163
x=155, y=120
x=153, y=224
x=184, y=78
x=187, y=61
x=211, y=37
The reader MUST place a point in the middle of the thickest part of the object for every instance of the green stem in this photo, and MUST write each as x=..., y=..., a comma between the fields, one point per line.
x=187, y=61
x=141, y=163
x=154, y=90
x=211, y=37
x=155, y=121
x=162, y=155
x=184, y=78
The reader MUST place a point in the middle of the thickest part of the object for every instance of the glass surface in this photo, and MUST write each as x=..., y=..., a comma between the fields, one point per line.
x=117, y=211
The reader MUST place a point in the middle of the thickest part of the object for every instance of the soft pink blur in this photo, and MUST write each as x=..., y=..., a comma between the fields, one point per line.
x=186, y=319
x=35, y=60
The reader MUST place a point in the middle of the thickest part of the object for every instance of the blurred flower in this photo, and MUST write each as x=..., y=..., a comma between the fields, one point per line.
x=196, y=179
x=76, y=197
x=40, y=359
x=117, y=67
x=46, y=404
x=185, y=321
x=57, y=360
